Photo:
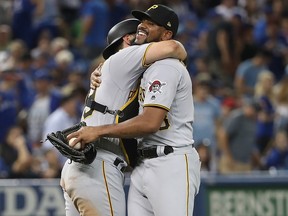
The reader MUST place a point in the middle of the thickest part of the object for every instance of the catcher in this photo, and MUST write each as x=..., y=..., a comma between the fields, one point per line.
x=96, y=188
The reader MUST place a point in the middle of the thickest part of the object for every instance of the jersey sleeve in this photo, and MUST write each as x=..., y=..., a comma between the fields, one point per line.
x=128, y=64
x=161, y=85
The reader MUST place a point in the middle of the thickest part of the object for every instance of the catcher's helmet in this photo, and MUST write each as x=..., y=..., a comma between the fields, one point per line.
x=116, y=33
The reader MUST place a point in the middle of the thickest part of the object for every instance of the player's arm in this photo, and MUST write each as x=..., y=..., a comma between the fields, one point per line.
x=164, y=49
x=149, y=121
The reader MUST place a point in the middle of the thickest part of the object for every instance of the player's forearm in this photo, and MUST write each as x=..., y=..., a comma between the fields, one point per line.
x=174, y=49
x=148, y=122
x=179, y=51
x=133, y=128
x=165, y=49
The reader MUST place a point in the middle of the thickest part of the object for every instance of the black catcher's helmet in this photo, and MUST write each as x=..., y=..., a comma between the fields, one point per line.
x=116, y=33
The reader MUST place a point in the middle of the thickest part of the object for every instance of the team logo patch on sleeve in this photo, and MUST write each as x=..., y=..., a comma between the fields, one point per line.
x=155, y=86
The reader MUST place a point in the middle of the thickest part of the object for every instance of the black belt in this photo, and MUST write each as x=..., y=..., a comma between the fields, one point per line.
x=151, y=152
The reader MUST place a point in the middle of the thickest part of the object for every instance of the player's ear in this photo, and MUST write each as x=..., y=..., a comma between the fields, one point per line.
x=129, y=38
x=167, y=35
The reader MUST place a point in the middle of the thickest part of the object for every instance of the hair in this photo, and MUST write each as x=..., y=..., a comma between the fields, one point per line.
x=64, y=56
x=259, y=87
x=59, y=43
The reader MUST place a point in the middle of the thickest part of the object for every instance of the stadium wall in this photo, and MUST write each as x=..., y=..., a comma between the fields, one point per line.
x=234, y=195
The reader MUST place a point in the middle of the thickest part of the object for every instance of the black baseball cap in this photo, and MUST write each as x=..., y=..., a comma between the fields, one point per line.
x=161, y=15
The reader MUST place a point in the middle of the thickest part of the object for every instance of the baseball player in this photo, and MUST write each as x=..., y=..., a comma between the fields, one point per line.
x=168, y=175
x=97, y=188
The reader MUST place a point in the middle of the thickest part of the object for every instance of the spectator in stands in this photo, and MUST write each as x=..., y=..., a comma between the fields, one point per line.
x=273, y=11
x=63, y=63
x=22, y=21
x=228, y=104
x=45, y=19
x=237, y=139
x=47, y=99
x=253, y=8
x=277, y=156
x=69, y=14
x=76, y=78
x=204, y=151
x=118, y=11
x=224, y=48
x=194, y=40
x=9, y=98
x=266, y=115
x=248, y=71
x=249, y=48
x=43, y=46
x=274, y=42
x=14, y=52
x=65, y=116
x=58, y=44
x=5, y=12
x=227, y=9
x=281, y=102
x=26, y=71
x=207, y=112
x=94, y=19
x=16, y=154
x=199, y=66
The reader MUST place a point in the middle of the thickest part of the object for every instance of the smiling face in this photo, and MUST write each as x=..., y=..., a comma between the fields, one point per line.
x=148, y=31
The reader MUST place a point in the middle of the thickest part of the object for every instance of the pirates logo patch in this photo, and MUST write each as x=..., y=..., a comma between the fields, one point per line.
x=156, y=86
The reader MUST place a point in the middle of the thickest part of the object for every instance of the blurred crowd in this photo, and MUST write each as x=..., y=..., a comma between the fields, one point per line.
x=237, y=60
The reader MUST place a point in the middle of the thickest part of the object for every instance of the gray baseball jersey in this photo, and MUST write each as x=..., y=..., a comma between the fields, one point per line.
x=119, y=80
x=97, y=189
x=168, y=85
x=167, y=185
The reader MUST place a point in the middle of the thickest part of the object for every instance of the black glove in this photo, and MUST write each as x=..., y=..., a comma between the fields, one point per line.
x=59, y=140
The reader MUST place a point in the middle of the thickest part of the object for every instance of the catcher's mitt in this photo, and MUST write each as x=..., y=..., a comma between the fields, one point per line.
x=59, y=140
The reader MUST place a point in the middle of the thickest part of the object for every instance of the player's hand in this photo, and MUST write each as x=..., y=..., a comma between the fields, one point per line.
x=85, y=135
x=95, y=79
